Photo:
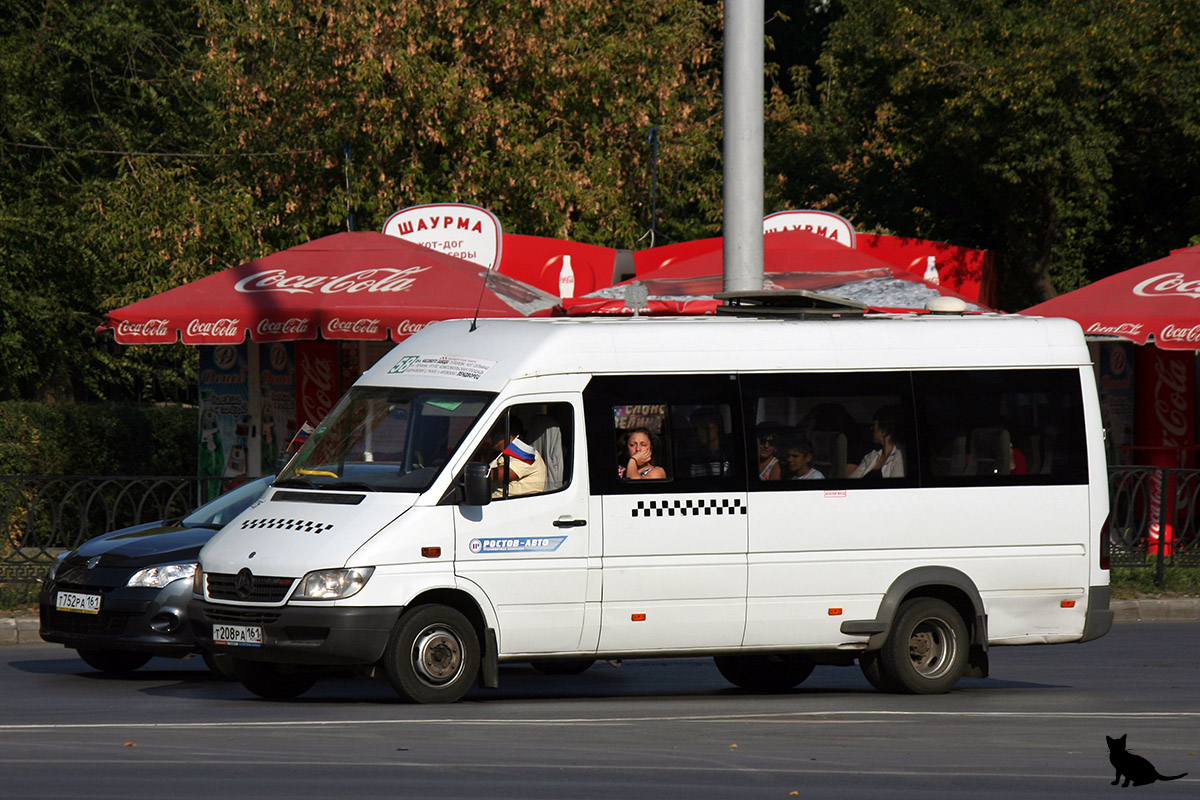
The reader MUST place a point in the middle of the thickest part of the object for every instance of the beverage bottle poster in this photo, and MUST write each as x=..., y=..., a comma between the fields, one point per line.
x=278, y=407
x=225, y=424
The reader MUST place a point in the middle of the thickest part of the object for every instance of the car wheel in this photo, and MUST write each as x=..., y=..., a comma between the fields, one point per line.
x=273, y=681
x=563, y=666
x=776, y=672
x=432, y=655
x=926, y=650
x=114, y=660
x=219, y=664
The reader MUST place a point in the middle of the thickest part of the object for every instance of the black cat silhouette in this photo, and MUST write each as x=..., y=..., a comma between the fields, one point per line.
x=1136, y=769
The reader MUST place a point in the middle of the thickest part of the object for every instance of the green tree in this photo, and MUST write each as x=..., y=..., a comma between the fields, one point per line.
x=1047, y=131
x=538, y=111
x=85, y=89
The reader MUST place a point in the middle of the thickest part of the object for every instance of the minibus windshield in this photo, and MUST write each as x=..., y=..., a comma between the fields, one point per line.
x=385, y=439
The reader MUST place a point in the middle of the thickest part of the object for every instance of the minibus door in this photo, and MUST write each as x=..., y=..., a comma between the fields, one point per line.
x=529, y=552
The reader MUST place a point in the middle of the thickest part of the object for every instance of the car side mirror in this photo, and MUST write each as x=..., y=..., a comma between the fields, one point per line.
x=477, y=484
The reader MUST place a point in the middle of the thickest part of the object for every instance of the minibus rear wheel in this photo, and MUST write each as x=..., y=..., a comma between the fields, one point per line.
x=926, y=649
x=775, y=672
x=432, y=655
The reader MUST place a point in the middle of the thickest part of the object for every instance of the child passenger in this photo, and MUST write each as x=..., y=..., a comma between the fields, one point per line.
x=798, y=457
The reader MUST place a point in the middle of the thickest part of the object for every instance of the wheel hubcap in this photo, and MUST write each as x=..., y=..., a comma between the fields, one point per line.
x=932, y=648
x=437, y=655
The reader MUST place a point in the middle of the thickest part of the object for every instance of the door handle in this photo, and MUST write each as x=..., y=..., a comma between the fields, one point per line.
x=567, y=522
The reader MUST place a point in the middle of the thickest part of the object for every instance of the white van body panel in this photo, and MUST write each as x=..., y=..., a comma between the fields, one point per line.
x=581, y=573
x=295, y=538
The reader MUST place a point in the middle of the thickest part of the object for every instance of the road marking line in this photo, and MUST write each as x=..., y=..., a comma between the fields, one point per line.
x=782, y=716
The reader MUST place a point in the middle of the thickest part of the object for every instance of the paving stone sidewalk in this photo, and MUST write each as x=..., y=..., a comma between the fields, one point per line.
x=23, y=628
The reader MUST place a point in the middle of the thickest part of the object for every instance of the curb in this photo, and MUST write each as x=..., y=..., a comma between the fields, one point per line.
x=24, y=629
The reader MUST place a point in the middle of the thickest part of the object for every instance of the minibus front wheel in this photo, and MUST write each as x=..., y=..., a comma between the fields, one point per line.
x=433, y=655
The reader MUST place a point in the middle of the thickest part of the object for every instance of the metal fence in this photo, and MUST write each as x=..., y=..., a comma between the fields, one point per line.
x=47, y=515
x=1154, y=518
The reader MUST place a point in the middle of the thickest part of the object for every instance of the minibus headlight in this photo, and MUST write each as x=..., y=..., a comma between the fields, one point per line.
x=158, y=577
x=333, y=584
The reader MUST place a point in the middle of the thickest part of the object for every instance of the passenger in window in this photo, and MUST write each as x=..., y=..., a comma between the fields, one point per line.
x=888, y=460
x=768, y=445
x=641, y=466
x=709, y=457
x=519, y=468
x=798, y=460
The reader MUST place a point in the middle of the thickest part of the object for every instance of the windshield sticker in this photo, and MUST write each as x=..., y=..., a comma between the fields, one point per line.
x=471, y=369
x=547, y=544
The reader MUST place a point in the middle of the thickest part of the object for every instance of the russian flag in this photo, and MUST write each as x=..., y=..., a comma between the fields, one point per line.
x=519, y=450
x=300, y=438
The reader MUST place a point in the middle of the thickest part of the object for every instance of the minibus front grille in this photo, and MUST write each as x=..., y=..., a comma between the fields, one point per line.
x=236, y=616
x=259, y=588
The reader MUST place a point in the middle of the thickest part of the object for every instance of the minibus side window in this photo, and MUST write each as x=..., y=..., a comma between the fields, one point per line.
x=529, y=449
x=664, y=433
x=830, y=430
x=989, y=427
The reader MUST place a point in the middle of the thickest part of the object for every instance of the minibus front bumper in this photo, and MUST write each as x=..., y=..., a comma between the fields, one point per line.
x=312, y=635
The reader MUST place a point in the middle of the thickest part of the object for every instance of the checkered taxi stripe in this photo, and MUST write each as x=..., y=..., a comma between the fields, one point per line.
x=280, y=523
x=686, y=508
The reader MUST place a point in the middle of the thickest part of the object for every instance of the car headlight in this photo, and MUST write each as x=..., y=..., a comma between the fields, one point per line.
x=58, y=562
x=333, y=584
x=160, y=576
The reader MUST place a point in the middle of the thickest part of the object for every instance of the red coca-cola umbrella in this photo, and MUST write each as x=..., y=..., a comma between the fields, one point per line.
x=791, y=260
x=1158, y=302
x=346, y=286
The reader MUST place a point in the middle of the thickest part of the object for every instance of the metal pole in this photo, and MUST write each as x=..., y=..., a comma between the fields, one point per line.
x=743, y=150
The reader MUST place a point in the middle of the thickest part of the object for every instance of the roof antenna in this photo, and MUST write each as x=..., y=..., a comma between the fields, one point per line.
x=474, y=320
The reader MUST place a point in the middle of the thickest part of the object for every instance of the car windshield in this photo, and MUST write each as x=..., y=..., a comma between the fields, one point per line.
x=385, y=439
x=217, y=513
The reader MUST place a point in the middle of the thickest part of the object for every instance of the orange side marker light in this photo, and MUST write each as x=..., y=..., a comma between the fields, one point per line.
x=1067, y=604
x=835, y=612
x=637, y=617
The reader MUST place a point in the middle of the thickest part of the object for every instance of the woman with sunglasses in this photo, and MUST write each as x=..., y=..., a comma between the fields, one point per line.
x=768, y=443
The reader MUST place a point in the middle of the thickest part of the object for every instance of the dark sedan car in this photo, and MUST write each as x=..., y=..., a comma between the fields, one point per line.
x=121, y=598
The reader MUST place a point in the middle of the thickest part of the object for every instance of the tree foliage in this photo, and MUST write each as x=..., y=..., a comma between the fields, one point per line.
x=1023, y=127
x=145, y=144
x=537, y=110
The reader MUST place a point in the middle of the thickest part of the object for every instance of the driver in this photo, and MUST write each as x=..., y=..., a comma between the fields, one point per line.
x=518, y=466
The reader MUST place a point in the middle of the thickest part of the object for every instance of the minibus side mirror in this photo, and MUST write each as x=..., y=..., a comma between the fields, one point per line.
x=477, y=484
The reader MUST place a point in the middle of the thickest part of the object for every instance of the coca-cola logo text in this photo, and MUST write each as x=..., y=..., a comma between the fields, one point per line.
x=1175, y=333
x=295, y=326
x=316, y=376
x=368, y=326
x=221, y=328
x=1167, y=285
x=406, y=327
x=151, y=327
x=1120, y=329
x=377, y=279
x=1170, y=402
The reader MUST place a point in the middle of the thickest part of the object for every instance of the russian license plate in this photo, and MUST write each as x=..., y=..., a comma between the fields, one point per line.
x=240, y=635
x=78, y=602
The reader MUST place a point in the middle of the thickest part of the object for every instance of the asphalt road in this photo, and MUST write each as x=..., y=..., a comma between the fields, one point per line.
x=648, y=729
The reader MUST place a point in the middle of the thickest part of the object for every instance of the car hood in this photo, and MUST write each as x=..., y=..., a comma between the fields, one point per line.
x=159, y=542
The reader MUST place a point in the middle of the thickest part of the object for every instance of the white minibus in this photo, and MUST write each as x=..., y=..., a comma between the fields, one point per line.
x=903, y=493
